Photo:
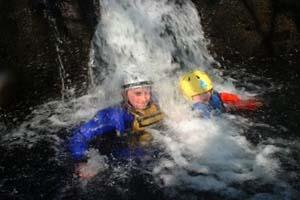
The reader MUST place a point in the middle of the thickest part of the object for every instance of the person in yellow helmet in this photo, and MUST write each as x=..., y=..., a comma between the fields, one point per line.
x=197, y=87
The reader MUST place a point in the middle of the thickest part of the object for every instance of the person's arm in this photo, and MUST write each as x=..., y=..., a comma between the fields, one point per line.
x=234, y=102
x=106, y=121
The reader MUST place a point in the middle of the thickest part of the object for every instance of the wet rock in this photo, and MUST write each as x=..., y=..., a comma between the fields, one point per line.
x=46, y=46
x=6, y=89
x=243, y=29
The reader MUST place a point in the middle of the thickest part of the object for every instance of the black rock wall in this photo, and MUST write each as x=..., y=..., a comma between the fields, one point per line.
x=249, y=29
x=44, y=48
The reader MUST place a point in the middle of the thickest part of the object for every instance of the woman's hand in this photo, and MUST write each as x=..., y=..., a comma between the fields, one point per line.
x=84, y=171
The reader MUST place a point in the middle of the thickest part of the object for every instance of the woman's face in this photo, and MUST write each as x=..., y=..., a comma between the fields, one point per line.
x=139, y=98
x=202, y=98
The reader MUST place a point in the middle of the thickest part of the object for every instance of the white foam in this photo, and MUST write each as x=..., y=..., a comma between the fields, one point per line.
x=96, y=163
x=146, y=36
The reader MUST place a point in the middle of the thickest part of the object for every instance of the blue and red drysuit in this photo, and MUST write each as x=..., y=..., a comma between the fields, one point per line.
x=222, y=102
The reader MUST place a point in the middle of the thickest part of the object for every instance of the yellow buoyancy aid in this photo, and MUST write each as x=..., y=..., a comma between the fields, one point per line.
x=145, y=118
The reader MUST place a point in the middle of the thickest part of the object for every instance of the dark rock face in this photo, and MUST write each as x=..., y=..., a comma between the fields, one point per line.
x=44, y=47
x=243, y=29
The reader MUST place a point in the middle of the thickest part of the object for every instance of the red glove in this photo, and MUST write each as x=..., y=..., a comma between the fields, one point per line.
x=233, y=101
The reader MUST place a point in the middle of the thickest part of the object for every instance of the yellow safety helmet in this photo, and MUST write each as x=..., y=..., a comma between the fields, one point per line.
x=195, y=83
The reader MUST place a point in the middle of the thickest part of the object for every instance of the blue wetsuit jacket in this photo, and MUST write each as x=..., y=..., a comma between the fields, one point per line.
x=110, y=120
x=214, y=107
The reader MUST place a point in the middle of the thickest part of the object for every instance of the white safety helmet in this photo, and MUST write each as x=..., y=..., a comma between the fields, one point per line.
x=135, y=80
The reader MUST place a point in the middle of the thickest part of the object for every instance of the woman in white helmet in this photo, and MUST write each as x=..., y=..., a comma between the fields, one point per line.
x=127, y=120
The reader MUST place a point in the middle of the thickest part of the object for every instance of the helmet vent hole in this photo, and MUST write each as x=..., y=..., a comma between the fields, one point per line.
x=189, y=79
x=197, y=77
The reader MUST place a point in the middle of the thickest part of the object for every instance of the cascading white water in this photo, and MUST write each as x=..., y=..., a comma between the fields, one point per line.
x=163, y=39
x=146, y=36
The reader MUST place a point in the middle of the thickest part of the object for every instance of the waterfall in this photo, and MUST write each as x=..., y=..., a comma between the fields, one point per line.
x=155, y=37
x=162, y=39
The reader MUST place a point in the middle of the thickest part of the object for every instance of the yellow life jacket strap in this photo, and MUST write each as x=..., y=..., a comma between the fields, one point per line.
x=146, y=117
x=149, y=120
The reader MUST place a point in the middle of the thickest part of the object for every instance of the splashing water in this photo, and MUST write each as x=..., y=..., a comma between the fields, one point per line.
x=163, y=38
